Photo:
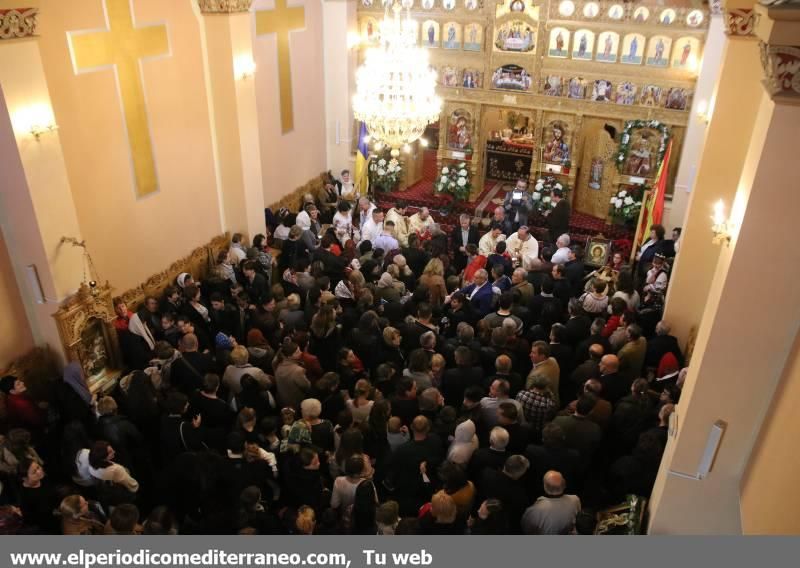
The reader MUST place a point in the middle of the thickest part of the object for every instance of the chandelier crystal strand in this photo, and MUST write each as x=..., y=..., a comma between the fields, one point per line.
x=396, y=87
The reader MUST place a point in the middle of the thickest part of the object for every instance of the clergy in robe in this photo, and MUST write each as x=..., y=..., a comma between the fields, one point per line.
x=397, y=215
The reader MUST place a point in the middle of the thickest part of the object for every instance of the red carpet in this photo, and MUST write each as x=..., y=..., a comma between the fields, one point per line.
x=445, y=211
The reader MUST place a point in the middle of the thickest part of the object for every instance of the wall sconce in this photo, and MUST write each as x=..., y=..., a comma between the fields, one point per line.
x=722, y=227
x=354, y=40
x=35, y=120
x=244, y=67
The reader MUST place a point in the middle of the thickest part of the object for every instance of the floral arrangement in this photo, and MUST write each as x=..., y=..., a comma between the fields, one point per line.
x=454, y=180
x=625, y=143
x=542, y=196
x=626, y=203
x=384, y=171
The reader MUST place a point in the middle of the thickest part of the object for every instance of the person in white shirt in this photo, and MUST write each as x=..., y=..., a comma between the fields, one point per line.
x=372, y=227
x=103, y=468
x=420, y=222
x=523, y=248
x=281, y=232
x=397, y=215
x=343, y=222
x=347, y=191
x=561, y=256
x=365, y=209
x=657, y=276
x=238, y=254
x=385, y=240
x=554, y=513
x=489, y=241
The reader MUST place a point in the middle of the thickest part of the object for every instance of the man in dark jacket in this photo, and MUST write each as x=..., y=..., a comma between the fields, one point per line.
x=188, y=370
x=255, y=284
x=118, y=431
x=558, y=218
x=661, y=344
x=333, y=265
x=457, y=380
x=574, y=272
x=462, y=235
x=178, y=435
x=408, y=477
x=578, y=324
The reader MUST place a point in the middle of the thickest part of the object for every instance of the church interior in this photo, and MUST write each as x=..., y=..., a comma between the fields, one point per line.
x=196, y=180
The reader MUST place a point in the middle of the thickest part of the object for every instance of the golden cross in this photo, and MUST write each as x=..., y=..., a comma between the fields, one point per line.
x=119, y=47
x=281, y=21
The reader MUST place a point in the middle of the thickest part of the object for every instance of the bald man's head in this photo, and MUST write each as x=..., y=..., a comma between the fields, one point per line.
x=596, y=351
x=609, y=364
x=420, y=426
x=503, y=364
x=554, y=483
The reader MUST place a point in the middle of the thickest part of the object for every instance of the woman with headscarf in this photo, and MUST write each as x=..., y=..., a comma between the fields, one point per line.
x=73, y=398
x=464, y=444
x=137, y=344
x=184, y=279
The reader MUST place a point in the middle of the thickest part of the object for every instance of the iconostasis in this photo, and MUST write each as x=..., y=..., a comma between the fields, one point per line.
x=554, y=88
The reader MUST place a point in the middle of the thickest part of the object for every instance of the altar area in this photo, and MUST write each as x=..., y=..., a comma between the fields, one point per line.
x=587, y=95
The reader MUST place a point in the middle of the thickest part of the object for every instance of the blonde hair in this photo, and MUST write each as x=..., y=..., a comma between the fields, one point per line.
x=390, y=333
x=70, y=507
x=437, y=360
x=434, y=267
x=106, y=406
x=306, y=520
x=443, y=507
x=293, y=301
x=393, y=270
x=240, y=355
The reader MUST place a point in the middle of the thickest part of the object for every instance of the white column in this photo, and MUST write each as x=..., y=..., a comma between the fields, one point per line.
x=694, y=140
x=749, y=324
x=339, y=36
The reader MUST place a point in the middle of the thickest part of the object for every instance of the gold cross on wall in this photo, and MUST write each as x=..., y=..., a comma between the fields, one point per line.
x=281, y=21
x=119, y=47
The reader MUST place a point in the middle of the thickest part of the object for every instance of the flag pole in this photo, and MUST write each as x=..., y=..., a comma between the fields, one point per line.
x=637, y=235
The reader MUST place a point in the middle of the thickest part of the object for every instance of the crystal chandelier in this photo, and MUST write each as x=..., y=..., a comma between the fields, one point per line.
x=396, y=87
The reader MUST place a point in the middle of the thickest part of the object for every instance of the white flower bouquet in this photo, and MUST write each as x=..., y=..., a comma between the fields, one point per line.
x=626, y=203
x=542, y=196
x=385, y=172
x=454, y=179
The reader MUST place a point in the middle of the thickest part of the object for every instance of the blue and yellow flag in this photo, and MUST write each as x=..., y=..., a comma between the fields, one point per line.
x=361, y=179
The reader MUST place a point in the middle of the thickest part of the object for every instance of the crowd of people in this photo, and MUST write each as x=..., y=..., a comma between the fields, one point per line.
x=388, y=379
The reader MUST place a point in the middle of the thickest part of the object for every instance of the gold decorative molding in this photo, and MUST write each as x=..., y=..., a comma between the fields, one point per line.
x=18, y=23
x=84, y=322
x=777, y=26
x=782, y=71
x=224, y=6
x=198, y=263
x=293, y=200
x=740, y=22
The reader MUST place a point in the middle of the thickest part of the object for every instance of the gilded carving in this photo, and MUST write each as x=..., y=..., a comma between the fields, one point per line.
x=88, y=337
x=224, y=6
x=781, y=69
x=18, y=22
x=740, y=22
